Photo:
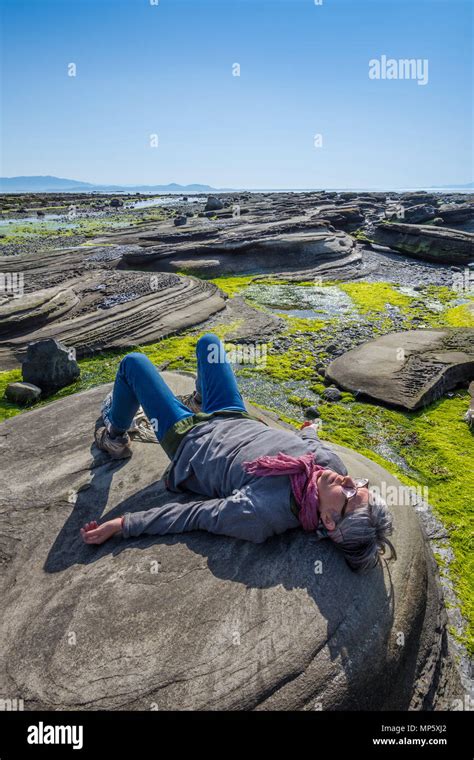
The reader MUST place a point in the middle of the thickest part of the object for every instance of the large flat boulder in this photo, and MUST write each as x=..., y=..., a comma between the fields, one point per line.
x=443, y=245
x=407, y=369
x=195, y=621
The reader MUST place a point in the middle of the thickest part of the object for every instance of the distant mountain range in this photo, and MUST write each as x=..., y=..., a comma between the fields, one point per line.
x=60, y=185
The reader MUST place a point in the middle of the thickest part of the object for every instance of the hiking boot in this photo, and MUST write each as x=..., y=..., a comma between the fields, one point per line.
x=118, y=448
x=192, y=401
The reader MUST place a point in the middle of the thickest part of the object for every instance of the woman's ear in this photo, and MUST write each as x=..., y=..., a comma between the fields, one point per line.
x=328, y=522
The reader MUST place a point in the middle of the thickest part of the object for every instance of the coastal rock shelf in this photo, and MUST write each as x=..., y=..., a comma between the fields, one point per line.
x=196, y=621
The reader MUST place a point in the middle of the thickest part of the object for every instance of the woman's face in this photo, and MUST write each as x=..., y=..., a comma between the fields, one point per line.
x=332, y=498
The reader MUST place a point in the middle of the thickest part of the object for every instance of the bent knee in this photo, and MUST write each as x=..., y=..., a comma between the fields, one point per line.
x=134, y=359
x=207, y=340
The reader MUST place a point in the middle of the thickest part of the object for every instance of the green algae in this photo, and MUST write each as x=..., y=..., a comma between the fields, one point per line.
x=437, y=446
x=460, y=316
x=89, y=227
x=374, y=296
x=233, y=285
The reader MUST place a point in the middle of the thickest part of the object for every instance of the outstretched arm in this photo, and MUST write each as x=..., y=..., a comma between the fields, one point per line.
x=233, y=516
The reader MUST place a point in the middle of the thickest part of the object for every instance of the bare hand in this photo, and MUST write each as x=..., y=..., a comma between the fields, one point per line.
x=92, y=533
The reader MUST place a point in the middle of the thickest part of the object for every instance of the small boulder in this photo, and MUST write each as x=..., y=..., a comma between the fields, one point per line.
x=469, y=417
x=115, y=202
x=419, y=214
x=180, y=220
x=332, y=394
x=50, y=365
x=311, y=413
x=213, y=204
x=22, y=393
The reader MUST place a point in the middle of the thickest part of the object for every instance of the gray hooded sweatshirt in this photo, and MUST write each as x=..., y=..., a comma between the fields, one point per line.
x=208, y=462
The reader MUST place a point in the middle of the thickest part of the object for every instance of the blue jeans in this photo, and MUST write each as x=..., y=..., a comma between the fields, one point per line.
x=139, y=383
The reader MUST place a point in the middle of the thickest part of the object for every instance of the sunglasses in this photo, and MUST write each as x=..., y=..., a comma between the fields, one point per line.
x=350, y=491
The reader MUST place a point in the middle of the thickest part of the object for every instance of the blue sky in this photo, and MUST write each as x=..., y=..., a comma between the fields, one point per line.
x=166, y=69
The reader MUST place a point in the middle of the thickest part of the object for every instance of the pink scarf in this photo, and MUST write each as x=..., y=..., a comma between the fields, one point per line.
x=303, y=472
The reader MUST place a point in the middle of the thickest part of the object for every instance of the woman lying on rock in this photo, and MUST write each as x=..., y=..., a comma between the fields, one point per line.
x=256, y=481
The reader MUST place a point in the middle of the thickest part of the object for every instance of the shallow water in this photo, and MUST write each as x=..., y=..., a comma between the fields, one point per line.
x=274, y=395
x=53, y=221
x=310, y=302
x=168, y=200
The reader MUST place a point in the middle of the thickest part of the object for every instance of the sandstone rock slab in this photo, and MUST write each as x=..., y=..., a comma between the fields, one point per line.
x=195, y=621
x=407, y=369
x=100, y=309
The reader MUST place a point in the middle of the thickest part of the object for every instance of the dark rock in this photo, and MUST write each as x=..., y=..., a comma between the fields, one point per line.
x=456, y=214
x=50, y=365
x=115, y=202
x=213, y=204
x=311, y=413
x=343, y=218
x=418, y=214
x=426, y=242
x=332, y=394
x=179, y=221
x=22, y=393
x=413, y=199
